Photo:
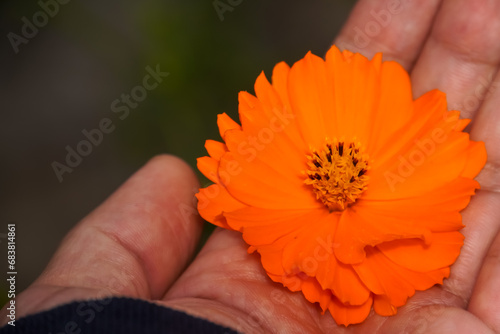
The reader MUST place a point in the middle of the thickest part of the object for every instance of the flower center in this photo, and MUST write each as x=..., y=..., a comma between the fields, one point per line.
x=337, y=173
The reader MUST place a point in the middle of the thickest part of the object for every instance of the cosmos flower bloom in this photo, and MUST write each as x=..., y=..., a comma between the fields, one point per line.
x=349, y=189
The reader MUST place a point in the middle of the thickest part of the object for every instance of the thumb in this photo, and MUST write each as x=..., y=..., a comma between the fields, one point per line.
x=135, y=244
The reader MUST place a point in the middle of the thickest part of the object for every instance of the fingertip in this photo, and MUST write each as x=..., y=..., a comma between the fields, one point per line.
x=166, y=167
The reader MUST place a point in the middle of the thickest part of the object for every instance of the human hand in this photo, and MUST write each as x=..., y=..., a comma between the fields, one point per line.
x=140, y=240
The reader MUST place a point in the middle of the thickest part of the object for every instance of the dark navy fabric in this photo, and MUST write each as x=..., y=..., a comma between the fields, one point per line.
x=113, y=315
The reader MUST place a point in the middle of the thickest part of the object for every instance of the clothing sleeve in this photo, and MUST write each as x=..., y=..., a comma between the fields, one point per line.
x=113, y=315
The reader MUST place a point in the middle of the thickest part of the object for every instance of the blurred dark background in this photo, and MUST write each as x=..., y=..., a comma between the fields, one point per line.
x=67, y=72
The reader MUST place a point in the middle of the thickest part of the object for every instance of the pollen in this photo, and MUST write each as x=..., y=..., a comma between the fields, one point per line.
x=338, y=173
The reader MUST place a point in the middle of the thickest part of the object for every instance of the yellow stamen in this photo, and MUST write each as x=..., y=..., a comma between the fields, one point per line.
x=337, y=173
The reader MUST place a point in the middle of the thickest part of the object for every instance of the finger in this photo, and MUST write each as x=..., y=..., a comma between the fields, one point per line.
x=135, y=244
x=461, y=54
x=397, y=28
x=485, y=301
x=482, y=217
x=482, y=214
x=141, y=231
x=486, y=128
x=479, y=231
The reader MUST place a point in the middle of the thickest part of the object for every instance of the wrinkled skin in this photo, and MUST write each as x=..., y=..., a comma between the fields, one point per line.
x=140, y=241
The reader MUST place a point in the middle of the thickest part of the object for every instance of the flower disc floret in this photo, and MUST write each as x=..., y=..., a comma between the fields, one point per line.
x=338, y=173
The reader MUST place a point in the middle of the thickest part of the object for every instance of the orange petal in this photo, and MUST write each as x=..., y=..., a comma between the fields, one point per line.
x=270, y=134
x=302, y=242
x=271, y=257
x=225, y=123
x=384, y=277
x=213, y=201
x=347, y=315
x=407, y=175
x=311, y=247
x=266, y=93
x=280, y=83
x=262, y=184
x=208, y=167
x=343, y=281
x=426, y=111
x=437, y=210
x=263, y=227
x=313, y=293
x=383, y=306
x=292, y=282
x=282, y=119
x=394, y=108
x=359, y=228
x=415, y=255
x=476, y=159
x=355, y=93
x=311, y=98
x=215, y=149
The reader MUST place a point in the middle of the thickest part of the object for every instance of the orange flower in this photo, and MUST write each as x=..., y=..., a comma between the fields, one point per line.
x=348, y=188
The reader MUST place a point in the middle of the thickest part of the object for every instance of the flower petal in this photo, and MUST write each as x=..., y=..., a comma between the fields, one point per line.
x=394, y=108
x=355, y=93
x=271, y=257
x=208, y=167
x=360, y=228
x=311, y=99
x=310, y=247
x=476, y=159
x=347, y=314
x=280, y=83
x=213, y=201
x=343, y=281
x=384, y=277
x=225, y=123
x=271, y=134
x=437, y=210
x=415, y=255
x=408, y=175
x=383, y=306
x=427, y=111
x=262, y=183
x=264, y=227
x=215, y=149
x=313, y=293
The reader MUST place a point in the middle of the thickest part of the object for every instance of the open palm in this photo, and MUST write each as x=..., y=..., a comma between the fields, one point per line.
x=140, y=241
